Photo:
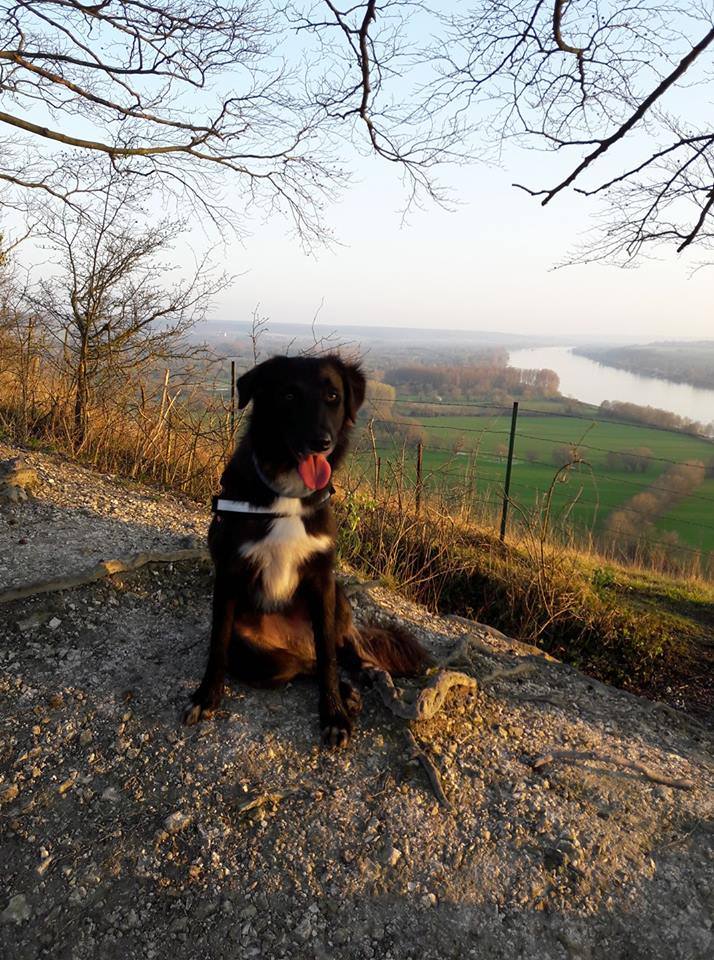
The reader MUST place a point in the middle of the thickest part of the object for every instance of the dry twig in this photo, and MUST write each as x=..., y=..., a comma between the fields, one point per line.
x=501, y=673
x=106, y=568
x=577, y=756
x=430, y=768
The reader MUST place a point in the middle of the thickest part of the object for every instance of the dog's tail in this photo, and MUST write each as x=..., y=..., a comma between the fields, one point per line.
x=393, y=650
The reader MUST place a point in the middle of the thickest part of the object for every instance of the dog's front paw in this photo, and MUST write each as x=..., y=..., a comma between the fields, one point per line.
x=200, y=706
x=336, y=726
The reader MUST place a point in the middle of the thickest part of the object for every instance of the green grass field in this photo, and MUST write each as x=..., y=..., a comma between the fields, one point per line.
x=591, y=492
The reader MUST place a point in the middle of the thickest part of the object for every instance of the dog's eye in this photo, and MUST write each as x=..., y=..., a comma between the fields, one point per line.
x=332, y=396
x=289, y=395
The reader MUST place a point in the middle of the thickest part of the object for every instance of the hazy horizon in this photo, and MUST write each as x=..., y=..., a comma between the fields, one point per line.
x=487, y=265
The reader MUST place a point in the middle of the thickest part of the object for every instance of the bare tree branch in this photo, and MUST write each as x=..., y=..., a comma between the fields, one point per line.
x=585, y=78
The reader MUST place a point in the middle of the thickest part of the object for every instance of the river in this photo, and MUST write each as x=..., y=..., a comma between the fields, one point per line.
x=593, y=382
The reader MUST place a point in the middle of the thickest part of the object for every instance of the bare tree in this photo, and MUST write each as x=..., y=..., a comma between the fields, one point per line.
x=179, y=92
x=602, y=84
x=109, y=308
x=170, y=91
x=269, y=92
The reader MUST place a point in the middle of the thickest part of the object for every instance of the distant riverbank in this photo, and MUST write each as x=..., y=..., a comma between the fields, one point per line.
x=593, y=382
x=691, y=363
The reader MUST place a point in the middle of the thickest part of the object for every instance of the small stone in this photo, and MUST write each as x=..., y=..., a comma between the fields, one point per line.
x=17, y=911
x=111, y=795
x=177, y=821
x=205, y=909
x=391, y=856
x=85, y=737
x=304, y=929
x=54, y=623
x=67, y=785
x=9, y=793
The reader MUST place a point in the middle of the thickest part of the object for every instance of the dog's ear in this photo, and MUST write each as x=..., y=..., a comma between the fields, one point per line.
x=355, y=386
x=249, y=383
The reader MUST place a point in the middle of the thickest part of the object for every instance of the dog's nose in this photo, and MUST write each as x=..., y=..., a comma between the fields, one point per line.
x=323, y=441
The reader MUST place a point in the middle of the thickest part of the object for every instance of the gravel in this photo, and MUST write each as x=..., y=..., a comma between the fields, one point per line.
x=77, y=518
x=126, y=835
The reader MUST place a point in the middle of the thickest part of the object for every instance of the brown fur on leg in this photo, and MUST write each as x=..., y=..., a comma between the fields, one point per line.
x=270, y=649
x=264, y=668
x=393, y=650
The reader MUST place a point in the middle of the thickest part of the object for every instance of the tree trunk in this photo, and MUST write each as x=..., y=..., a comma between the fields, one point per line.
x=80, y=398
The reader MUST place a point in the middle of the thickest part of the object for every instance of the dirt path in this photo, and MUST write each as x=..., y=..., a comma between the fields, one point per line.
x=124, y=835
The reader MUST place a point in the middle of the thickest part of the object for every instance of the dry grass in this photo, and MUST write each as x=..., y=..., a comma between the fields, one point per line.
x=535, y=587
x=169, y=430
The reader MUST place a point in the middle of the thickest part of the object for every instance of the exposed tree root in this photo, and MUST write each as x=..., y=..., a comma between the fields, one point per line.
x=429, y=700
x=427, y=704
x=503, y=673
x=576, y=757
x=464, y=647
x=106, y=568
x=353, y=587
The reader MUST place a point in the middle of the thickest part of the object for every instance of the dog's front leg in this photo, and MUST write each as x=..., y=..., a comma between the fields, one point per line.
x=210, y=692
x=335, y=722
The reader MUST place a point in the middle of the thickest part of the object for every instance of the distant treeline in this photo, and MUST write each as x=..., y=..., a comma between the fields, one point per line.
x=635, y=519
x=473, y=381
x=653, y=417
x=682, y=362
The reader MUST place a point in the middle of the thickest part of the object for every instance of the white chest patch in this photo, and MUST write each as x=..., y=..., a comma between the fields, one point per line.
x=279, y=554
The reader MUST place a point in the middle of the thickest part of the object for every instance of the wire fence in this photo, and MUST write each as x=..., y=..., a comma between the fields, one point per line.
x=602, y=504
x=483, y=460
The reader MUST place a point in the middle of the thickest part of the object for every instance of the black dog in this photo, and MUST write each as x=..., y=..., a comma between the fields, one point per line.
x=277, y=609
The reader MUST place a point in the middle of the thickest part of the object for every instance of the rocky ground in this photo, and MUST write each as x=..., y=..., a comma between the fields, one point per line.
x=576, y=821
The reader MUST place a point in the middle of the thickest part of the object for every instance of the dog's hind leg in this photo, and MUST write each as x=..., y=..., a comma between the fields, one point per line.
x=351, y=697
x=393, y=649
x=261, y=667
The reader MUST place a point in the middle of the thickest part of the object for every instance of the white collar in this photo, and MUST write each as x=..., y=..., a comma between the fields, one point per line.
x=280, y=507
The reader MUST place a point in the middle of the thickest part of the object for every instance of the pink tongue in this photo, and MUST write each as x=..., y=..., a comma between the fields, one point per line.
x=315, y=471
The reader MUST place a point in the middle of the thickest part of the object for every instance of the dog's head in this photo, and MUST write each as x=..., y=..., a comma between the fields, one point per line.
x=303, y=408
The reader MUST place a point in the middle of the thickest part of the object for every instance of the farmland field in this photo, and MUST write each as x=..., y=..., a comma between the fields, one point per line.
x=592, y=490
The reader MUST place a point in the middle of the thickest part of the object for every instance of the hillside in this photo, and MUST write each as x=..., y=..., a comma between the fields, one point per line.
x=573, y=823
x=597, y=489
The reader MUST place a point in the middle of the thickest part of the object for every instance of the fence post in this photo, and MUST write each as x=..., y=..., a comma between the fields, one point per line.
x=233, y=399
x=420, y=455
x=509, y=464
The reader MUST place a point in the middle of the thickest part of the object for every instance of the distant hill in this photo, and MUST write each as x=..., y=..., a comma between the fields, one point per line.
x=435, y=344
